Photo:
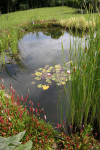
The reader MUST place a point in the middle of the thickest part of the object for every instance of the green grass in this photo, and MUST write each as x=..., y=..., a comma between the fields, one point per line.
x=13, y=25
x=15, y=19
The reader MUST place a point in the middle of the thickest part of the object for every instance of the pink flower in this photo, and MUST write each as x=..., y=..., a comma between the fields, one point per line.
x=58, y=125
x=38, y=104
x=36, y=110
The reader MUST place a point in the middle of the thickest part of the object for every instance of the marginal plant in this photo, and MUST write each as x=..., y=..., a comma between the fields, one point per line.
x=78, y=23
x=84, y=90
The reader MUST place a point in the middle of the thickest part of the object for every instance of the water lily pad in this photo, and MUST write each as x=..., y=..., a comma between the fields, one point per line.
x=39, y=85
x=37, y=78
x=38, y=73
x=49, y=74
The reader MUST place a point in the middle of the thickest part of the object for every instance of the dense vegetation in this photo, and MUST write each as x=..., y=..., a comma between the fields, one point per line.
x=13, y=5
x=14, y=119
x=84, y=72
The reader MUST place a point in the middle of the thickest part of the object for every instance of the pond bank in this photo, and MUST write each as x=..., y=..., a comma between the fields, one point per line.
x=14, y=119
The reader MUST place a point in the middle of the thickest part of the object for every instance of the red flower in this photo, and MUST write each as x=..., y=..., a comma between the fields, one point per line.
x=68, y=146
x=1, y=120
x=77, y=146
x=36, y=110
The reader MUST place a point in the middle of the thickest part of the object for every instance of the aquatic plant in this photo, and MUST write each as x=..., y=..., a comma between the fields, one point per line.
x=49, y=74
x=85, y=85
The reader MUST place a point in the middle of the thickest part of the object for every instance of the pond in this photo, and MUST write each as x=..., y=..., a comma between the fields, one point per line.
x=37, y=50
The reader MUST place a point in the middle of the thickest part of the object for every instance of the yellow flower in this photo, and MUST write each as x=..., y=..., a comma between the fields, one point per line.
x=45, y=87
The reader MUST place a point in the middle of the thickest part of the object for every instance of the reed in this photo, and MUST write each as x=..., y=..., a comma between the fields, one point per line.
x=85, y=81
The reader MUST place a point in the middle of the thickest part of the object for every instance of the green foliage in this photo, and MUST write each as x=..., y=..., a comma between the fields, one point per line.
x=39, y=132
x=13, y=143
x=87, y=131
x=14, y=119
x=27, y=146
x=84, y=89
x=78, y=24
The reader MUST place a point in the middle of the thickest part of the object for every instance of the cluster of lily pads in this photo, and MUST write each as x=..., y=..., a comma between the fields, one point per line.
x=59, y=74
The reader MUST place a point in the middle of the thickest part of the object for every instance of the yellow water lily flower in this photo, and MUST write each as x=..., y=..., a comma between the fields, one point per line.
x=45, y=87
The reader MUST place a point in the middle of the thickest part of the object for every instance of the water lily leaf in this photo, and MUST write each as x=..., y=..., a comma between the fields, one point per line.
x=48, y=81
x=48, y=70
x=39, y=85
x=51, y=67
x=44, y=70
x=57, y=66
x=37, y=78
x=38, y=73
x=58, y=74
x=40, y=69
x=33, y=82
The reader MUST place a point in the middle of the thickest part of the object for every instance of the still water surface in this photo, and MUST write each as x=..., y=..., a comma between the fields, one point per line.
x=37, y=50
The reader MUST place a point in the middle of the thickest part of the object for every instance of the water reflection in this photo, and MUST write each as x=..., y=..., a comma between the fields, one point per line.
x=37, y=50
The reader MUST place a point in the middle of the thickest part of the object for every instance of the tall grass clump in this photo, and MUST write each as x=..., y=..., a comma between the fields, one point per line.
x=80, y=24
x=85, y=82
